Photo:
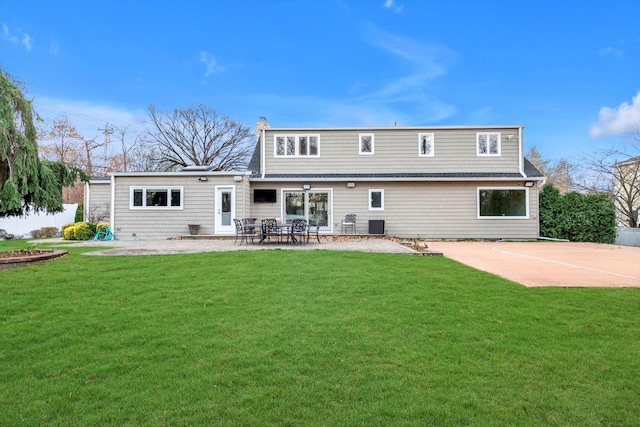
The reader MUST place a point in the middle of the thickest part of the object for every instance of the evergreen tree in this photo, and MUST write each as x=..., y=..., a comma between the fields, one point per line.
x=26, y=183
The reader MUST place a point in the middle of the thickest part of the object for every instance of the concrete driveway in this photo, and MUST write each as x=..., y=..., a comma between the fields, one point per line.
x=550, y=263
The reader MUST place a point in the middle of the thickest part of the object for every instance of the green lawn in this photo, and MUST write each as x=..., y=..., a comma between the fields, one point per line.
x=275, y=337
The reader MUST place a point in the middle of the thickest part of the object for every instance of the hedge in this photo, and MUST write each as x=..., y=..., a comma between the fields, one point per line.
x=576, y=217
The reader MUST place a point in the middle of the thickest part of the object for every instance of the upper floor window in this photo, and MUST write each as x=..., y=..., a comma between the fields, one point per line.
x=366, y=143
x=488, y=143
x=296, y=145
x=156, y=197
x=425, y=144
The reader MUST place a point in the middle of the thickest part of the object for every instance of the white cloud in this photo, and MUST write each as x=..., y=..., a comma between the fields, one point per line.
x=88, y=116
x=211, y=64
x=624, y=119
x=26, y=41
x=611, y=51
x=391, y=5
x=411, y=92
x=404, y=99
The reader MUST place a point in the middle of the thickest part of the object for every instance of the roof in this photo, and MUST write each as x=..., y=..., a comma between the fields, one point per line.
x=530, y=170
x=372, y=128
x=630, y=160
x=254, y=163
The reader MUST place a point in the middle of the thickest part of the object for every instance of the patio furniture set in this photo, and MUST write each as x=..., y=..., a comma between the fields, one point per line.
x=298, y=231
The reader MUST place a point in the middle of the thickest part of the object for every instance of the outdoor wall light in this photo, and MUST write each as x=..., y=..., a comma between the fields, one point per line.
x=203, y=178
x=528, y=184
x=237, y=178
x=351, y=184
x=306, y=186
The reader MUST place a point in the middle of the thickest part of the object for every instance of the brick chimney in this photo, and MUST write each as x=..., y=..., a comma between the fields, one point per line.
x=261, y=124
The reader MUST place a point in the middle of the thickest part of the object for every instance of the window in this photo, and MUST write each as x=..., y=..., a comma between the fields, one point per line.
x=503, y=202
x=376, y=200
x=488, y=143
x=366, y=143
x=156, y=198
x=425, y=144
x=314, y=206
x=296, y=145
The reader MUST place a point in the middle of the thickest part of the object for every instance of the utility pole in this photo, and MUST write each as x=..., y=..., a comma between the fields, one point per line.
x=107, y=131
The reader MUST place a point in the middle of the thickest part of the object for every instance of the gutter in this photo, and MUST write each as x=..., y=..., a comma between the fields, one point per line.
x=394, y=179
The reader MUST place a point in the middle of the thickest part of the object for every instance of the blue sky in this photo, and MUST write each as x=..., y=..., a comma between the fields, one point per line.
x=567, y=70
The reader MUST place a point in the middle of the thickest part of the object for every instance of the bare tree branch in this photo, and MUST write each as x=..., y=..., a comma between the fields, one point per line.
x=616, y=172
x=198, y=136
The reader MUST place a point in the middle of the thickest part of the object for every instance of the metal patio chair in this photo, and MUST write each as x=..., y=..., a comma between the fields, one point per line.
x=349, y=222
x=298, y=228
x=270, y=228
x=242, y=232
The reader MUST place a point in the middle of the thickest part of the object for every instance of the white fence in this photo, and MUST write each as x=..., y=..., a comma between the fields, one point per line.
x=22, y=226
x=628, y=236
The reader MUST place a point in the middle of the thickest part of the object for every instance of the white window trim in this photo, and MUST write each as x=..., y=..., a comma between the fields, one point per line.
x=433, y=144
x=297, y=145
x=366, y=153
x=526, y=195
x=156, y=187
x=488, y=153
x=377, y=190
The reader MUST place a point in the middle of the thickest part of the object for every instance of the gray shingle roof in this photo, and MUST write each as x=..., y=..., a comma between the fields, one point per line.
x=436, y=175
x=530, y=170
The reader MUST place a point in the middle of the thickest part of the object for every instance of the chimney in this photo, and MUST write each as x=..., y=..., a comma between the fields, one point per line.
x=261, y=124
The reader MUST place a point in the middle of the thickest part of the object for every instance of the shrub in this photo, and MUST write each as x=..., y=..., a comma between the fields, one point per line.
x=69, y=232
x=79, y=231
x=50, y=231
x=84, y=230
x=6, y=236
x=102, y=224
x=79, y=213
x=44, y=232
x=576, y=217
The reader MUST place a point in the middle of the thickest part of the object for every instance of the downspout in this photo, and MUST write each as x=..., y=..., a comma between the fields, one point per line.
x=87, y=198
x=112, y=208
x=262, y=153
x=521, y=149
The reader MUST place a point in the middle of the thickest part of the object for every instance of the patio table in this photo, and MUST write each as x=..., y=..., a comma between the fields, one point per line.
x=282, y=226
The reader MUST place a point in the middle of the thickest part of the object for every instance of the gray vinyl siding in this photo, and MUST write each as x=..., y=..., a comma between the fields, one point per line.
x=396, y=150
x=449, y=211
x=198, y=206
x=267, y=210
x=98, y=205
x=433, y=210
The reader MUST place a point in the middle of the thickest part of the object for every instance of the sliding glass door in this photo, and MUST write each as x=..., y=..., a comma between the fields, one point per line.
x=314, y=206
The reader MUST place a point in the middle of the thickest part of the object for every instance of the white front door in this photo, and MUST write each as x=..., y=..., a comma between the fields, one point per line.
x=225, y=209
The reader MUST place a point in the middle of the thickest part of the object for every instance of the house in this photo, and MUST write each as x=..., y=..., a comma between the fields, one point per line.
x=626, y=192
x=431, y=182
